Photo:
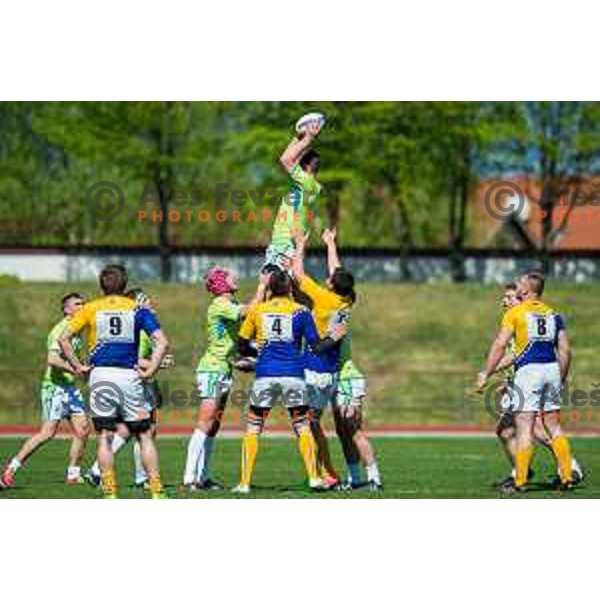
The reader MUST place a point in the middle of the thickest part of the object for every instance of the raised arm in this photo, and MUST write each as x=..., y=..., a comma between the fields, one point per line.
x=301, y=240
x=259, y=295
x=246, y=334
x=298, y=146
x=333, y=259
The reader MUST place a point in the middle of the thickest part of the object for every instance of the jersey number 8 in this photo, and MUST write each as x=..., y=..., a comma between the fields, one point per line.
x=541, y=327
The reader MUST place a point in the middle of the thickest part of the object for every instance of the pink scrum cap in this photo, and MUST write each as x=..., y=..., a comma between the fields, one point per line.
x=217, y=281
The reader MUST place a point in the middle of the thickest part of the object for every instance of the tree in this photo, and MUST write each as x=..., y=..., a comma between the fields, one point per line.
x=561, y=146
x=137, y=144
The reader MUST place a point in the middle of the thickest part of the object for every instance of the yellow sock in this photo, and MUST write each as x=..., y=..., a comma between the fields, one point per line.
x=522, y=460
x=155, y=484
x=249, y=453
x=562, y=451
x=307, y=446
x=321, y=470
x=109, y=482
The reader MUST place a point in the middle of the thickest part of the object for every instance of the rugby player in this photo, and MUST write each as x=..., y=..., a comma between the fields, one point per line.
x=214, y=372
x=114, y=324
x=350, y=397
x=331, y=306
x=505, y=429
x=280, y=326
x=302, y=164
x=152, y=390
x=542, y=359
x=61, y=399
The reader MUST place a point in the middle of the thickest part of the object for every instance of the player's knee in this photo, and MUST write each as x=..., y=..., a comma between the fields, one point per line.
x=505, y=433
x=255, y=420
x=48, y=430
x=313, y=416
x=81, y=432
x=81, y=427
x=299, y=418
x=122, y=430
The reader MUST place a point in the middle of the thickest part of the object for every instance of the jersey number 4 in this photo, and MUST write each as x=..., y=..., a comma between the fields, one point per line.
x=277, y=328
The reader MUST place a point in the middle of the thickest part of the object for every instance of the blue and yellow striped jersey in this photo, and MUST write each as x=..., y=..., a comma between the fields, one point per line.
x=535, y=327
x=113, y=325
x=280, y=326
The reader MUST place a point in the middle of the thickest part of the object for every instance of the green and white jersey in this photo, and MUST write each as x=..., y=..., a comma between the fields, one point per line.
x=303, y=193
x=348, y=370
x=222, y=326
x=146, y=345
x=58, y=376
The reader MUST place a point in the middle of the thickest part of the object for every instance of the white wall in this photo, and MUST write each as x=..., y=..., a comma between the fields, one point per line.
x=190, y=267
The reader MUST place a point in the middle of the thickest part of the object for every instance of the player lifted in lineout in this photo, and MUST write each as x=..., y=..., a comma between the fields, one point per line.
x=214, y=372
x=542, y=362
x=117, y=392
x=302, y=164
x=280, y=326
x=505, y=429
x=61, y=399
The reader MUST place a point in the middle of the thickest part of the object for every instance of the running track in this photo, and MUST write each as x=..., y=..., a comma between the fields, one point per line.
x=407, y=431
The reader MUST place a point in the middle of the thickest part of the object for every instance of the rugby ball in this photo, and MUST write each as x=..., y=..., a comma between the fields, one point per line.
x=315, y=117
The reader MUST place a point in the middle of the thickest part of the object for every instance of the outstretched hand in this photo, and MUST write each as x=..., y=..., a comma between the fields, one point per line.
x=314, y=128
x=338, y=331
x=300, y=237
x=482, y=380
x=328, y=236
x=82, y=370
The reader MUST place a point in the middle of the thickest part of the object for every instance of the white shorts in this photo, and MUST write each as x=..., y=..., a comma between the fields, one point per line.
x=321, y=388
x=61, y=402
x=537, y=387
x=351, y=392
x=280, y=255
x=118, y=392
x=213, y=384
x=287, y=391
x=153, y=393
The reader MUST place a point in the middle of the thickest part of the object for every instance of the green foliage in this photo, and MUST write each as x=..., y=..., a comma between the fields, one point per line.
x=395, y=173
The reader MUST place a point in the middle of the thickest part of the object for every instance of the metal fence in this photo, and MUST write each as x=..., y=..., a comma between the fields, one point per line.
x=188, y=264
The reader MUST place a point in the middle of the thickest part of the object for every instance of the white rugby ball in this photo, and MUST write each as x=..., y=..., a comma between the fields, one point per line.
x=315, y=117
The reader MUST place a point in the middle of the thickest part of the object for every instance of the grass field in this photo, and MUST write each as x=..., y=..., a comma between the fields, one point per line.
x=412, y=468
x=420, y=346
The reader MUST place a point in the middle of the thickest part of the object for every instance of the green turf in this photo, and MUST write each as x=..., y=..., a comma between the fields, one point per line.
x=412, y=468
x=420, y=345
